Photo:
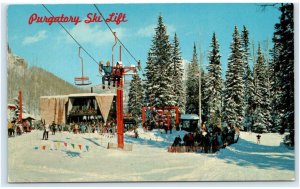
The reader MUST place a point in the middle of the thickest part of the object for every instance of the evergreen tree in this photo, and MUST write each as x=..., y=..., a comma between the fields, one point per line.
x=284, y=72
x=159, y=66
x=274, y=87
x=214, y=84
x=149, y=84
x=249, y=100
x=204, y=95
x=248, y=80
x=234, y=84
x=177, y=81
x=262, y=103
x=135, y=101
x=192, y=85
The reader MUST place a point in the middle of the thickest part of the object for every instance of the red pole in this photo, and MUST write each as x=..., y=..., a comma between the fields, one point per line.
x=168, y=120
x=143, y=114
x=177, y=115
x=122, y=114
x=120, y=124
x=20, y=106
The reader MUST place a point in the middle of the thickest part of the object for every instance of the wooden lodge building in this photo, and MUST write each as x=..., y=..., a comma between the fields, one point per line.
x=65, y=109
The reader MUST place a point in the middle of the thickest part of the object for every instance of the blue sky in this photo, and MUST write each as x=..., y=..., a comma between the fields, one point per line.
x=51, y=48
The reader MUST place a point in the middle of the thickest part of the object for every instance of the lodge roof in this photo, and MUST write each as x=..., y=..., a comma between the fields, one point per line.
x=80, y=95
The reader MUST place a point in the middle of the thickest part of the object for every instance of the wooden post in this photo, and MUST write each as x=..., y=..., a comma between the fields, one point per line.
x=20, y=106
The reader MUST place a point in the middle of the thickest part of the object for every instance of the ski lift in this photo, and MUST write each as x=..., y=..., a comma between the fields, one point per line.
x=83, y=80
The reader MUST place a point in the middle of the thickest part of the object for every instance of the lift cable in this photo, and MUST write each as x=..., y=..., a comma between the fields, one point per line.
x=72, y=37
x=116, y=36
x=83, y=47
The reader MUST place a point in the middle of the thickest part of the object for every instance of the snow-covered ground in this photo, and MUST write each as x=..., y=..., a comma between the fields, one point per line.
x=149, y=160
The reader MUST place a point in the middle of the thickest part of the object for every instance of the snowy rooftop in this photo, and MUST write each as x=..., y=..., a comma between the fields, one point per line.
x=27, y=116
x=189, y=116
x=11, y=105
x=80, y=95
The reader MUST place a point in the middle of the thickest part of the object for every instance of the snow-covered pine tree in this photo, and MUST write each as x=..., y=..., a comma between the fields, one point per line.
x=234, y=84
x=192, y=85
x=284, y=31
x=275, y=92
x=214, y=84
x=248, y=80
x=149, y=84
x=262, y=116
x=177, y=82
x=204, y=95
x=250, y=104
x=161, y=68
x=135, y=101
x=16, y=112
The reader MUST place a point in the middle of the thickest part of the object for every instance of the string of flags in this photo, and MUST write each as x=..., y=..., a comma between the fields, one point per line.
x=60, y=145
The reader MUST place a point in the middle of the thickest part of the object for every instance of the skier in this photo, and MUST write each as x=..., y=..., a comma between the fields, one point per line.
x=219, y=139
x=107, y=73
x=258, y=138
x=136, y=134
x=117, y=74
x=19, y=128
x=10, y=129
x=46, y=131
x=53, y=128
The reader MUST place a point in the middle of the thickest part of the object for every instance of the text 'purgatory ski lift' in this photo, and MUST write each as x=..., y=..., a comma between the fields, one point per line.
x=83, y=80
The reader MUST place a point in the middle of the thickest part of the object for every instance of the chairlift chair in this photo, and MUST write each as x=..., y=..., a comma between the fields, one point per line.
x=83, y=80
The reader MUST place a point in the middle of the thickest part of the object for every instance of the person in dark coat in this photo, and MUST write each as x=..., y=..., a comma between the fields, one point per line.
x=177, y=141
x=258, y=138
x=185, y=139
x=206, y=143
x=53, y=128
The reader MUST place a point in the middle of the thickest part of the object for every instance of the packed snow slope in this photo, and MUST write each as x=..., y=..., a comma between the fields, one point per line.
x=149, y=160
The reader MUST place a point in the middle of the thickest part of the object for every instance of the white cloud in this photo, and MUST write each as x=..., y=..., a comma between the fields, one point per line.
x=86, y=33
x=35, y=38
x=146, y=31
x=149, y=31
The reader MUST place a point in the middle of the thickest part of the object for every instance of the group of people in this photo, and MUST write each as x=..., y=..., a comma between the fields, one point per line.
x=149, y=125
x=208, y=140
x=53, y=128
x=18, y=128
x=83, y=110
x=82, y=127
x=92, y=127
x=110, y=72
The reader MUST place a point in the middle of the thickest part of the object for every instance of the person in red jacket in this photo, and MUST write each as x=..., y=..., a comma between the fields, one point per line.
x=117, y=74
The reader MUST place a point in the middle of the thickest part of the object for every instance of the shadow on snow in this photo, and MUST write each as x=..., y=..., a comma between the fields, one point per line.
x=245, y=153
x=72, y=153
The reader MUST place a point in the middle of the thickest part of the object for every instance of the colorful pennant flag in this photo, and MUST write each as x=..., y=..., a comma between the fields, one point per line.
x=73, y=145
x=66, y=144
x=43, y=147
x=79, y=145
x=51, y=146
x=36, y=148
x=87, y=148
